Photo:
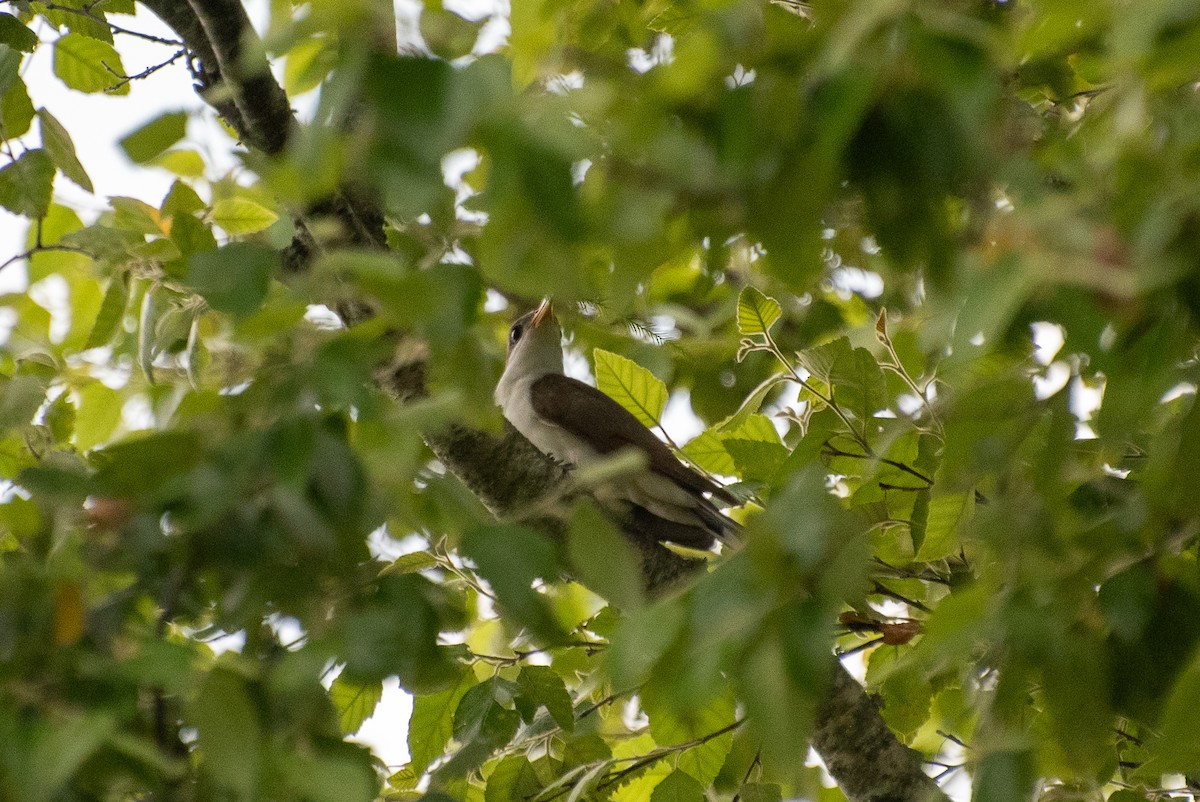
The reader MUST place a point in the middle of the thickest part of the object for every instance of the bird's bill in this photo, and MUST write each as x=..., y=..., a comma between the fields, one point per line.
x=543, y=312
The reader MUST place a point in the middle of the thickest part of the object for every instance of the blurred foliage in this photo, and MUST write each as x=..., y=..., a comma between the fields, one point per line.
x=833, y=230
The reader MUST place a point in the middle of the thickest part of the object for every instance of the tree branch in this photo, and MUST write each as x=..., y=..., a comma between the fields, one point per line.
x=862, y=753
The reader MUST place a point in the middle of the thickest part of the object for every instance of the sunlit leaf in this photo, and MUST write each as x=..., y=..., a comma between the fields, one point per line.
x=629, y=384
x=242, y=216
x=58, y=144
x=147, y=142
x=26, y=184
x=757, y=313
x=89, y=65
x=355, y=702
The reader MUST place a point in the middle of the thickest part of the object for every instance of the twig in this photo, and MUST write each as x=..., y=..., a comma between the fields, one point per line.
x=39, y=249
x=860, y=647
x=87, y=13
x=883, y=590
x=125, y=79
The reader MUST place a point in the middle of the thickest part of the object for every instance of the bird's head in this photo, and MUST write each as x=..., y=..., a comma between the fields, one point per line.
x=534, y=346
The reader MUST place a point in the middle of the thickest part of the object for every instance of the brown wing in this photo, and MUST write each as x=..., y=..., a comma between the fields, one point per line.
x=572, y=405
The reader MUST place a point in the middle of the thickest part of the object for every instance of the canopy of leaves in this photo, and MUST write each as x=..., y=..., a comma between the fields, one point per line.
x=925, y=271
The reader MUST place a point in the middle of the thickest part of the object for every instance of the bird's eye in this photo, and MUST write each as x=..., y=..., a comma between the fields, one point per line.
x=514, y=335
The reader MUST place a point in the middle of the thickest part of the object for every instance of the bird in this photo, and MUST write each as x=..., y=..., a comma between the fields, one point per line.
x=576, y=424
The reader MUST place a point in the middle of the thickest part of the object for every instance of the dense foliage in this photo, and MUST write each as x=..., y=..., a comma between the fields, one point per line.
x=834, y=230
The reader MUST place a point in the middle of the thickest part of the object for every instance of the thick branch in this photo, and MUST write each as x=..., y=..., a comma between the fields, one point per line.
x=233, y=76
x=862, y=753
x=245, y=74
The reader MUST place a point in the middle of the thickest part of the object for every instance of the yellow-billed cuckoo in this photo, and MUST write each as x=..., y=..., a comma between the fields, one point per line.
x=575, y=424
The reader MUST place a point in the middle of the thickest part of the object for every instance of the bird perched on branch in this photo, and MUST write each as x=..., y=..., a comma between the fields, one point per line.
x=576, y=424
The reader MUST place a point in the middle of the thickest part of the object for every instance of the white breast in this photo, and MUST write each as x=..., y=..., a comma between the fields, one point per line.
x=518, y=409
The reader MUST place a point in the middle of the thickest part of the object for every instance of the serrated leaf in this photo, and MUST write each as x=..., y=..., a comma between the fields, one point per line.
x=541, y=686
x=511, y=558
x=27, y=184
x=242, y=216
x=632, y=386
x=229, y=733
x=513, y=780
x=147, y=142
x=10, y=68
x=355, y=702
x=756, y=313
x=16, y=35
x=403, y=780
x=756, y=460
x=678, y=786
x=670, y=727
x=604, y=561
x=233, y=279
x=84, y=64
x=183, y=162
x=859, y=384
x=708, y=452
x=820, y=359
x=58, y=144
x=16, y=110
x=751, y=405
x=758, y=428
x=410, y=563
x=761, y=792
x=432, y=722
x=946, y=516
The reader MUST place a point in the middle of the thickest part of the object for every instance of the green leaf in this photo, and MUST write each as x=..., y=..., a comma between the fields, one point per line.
x=230, y=733
x=756, y=460
x=483, y=723
x=511, y=558
x=184, y=162
x=761, y=792
x=859, y=384
x=27, y=184
x=355, y=702
x=820, y=360
x=411, y=563
x=112, y=312
x=88, y=65
x=147, y=142
x=947, y=516
x=16, y=111
x=242, y=216
x=16, y=35
x=678, y=786
x=58, y=144
x=432, y=722
x=513, y=780
x=632, y=386
x=99, y=415
x=542, y=687
x=751, y=405
x=670, y=727
x=141, y=465
x=604, y=561
x=707, y=451
x=756, y=313
x=10, y=68
x=233, y=279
